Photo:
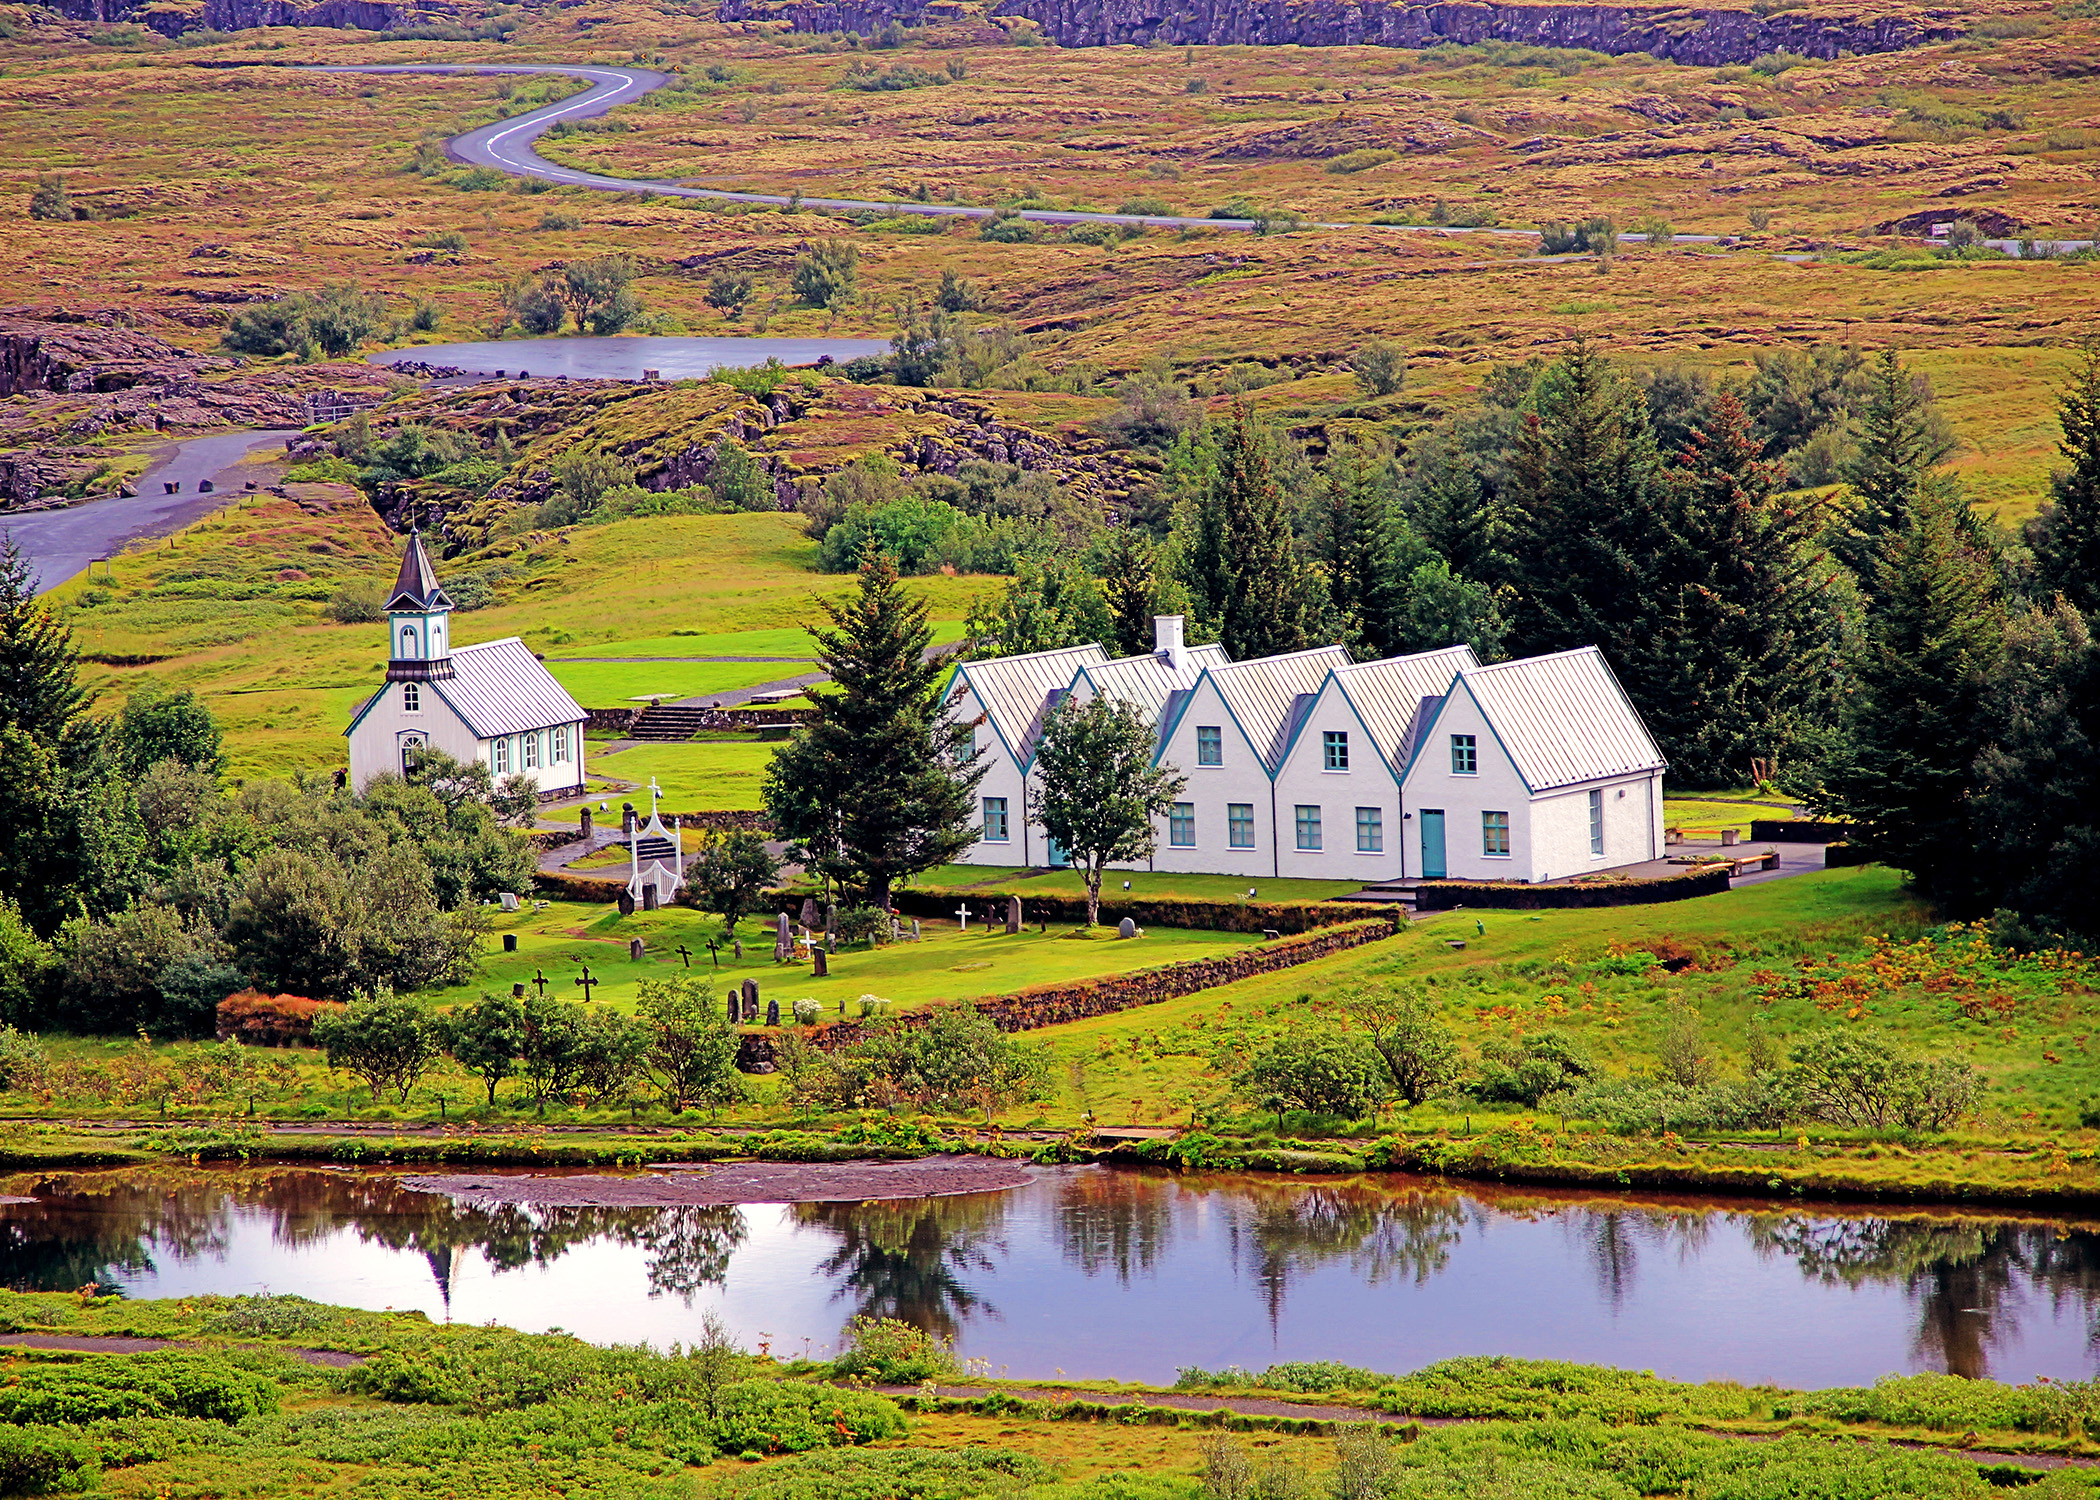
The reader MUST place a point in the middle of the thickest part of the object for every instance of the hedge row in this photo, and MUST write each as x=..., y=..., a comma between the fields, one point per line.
x=1287, y=917
x=1443, y=895
x=1798, y=831
x=1057, y=1004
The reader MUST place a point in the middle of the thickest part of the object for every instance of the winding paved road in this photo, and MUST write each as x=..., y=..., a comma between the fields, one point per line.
x=62, y=542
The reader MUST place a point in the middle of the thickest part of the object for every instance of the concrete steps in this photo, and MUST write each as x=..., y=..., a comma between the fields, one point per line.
x=667, y=722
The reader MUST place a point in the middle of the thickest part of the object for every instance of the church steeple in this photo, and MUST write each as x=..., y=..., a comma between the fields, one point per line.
x=419, y=620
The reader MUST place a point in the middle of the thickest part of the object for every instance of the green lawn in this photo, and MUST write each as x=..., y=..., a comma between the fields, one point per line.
x=791, y=642
x=696, y=776
x=617, y=684
x=947, y=965
x=995, y=879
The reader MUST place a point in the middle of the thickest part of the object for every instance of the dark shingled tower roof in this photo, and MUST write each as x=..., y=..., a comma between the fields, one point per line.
x=417, y=587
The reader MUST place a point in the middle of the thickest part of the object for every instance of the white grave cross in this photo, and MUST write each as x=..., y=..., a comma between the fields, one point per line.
x=963, y=912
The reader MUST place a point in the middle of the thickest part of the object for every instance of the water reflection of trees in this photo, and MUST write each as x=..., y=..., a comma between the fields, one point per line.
x=1963, y=1275
x=909, y=1259
x=1613, y=1240
x=99, y=1227
x=1285, y=1231
x=1115, y=1221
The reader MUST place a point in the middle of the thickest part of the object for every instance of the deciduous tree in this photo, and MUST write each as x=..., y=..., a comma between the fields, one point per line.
x=382, y=1038
x=1098, y=790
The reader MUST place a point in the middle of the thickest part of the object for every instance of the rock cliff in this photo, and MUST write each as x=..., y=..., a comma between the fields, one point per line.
x=1700, y=37
x=241, y=15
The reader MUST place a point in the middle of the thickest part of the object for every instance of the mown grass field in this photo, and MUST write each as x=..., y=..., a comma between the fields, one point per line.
x=704, y=776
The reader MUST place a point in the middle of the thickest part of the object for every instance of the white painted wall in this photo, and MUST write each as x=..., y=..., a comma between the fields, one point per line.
x=1241, y=778
x=548, y=774
x=1002, y=779
x=1495, y=787
x=376, y=742
x=1561, y=827
x=1303, y=778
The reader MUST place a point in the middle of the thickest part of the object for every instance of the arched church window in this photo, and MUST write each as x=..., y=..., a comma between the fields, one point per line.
x=408, y=641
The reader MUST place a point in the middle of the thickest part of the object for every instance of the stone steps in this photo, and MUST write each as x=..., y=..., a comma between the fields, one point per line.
x=667, y=722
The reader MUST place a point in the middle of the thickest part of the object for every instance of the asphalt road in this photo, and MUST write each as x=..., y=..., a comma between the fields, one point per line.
x=62, y=542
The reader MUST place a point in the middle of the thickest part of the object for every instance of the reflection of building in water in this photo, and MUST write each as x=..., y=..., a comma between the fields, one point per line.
x=907, y=1258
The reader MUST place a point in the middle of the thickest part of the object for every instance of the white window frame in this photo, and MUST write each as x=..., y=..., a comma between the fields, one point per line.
x=1306, y=822
x=529, y=752
x=1334, y=750
x=1465, y=755
x=1181, y=826
x=995, y=807
x=558, y=751
x=411, y=644
x=1370, y=830
x=411, y=698
x=1596, y=823
x=499, y=757
x=1488, y=829
x=1239, y=819
x=1210, y=744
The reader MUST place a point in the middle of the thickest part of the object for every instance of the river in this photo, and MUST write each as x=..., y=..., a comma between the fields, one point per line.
x=587, y=358
x=1106, y=1273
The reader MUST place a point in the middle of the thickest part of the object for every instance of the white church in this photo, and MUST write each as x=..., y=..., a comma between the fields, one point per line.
x=493, y=702
x=1312, y=766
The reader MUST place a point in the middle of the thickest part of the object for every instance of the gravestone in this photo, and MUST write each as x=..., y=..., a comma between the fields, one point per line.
x=1126, y=928
x=517, y=991
x=751, y=1000
x=509, y=900
x=823, y=969
x=783, y=941
x=809, y=911
x=1013, y=915
x=736, y=1005
x=586, y=825
x=915, y=929
x=649, y=896
x=831, y=921
x=772, y=1012
x=738, y=945
x=635, y=948
x=628, y=819
x=510, y=942
x=626, y=903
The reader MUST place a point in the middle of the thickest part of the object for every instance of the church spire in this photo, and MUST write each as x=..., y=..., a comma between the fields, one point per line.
x=418, y=621
x=417, y=586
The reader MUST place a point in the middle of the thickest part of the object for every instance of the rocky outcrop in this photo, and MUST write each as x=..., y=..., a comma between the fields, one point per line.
x=1703, y=37
x=75, y=352
x=241, y=15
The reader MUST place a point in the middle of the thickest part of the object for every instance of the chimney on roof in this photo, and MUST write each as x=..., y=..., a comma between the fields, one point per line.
x=1166, y=640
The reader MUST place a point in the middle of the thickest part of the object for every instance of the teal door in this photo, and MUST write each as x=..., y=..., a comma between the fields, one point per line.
x=1433, y=844
x=1058, y=858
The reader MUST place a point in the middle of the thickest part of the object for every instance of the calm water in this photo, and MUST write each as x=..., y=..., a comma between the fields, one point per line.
x=626, y=358
x=1120, y=1274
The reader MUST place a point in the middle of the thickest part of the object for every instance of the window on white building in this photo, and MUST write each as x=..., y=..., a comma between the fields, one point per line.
x=1239, y=825
x=1465, y=756
x=411, y=698
x=1210, y=745
x=499, y=757
x=1494, y=833
x=995, y=820
x=1370, y=831
x=1181, y=825
x=559, y=754
x=1334, y=750
x=1597, y=822
x=408, y=642
x=1308, y=827
x=530, y=744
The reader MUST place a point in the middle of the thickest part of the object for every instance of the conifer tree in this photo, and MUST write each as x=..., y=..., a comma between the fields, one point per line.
x=1366, y=550
x=1130, y=585
x=1752, y=639
x=1906, y=773
x=1447, y=506
x=1898, y=447
x=876, y=786
x=2067, y=540
x=40, y=691
x=1261, y=588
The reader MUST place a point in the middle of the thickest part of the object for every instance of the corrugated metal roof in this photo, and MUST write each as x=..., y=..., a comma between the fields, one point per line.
x=1263, y=694
x=1388, y=694
x=1148, y=681
x=417, y=587
x=499, y=687
x=1016, y=690
x=1563, y=718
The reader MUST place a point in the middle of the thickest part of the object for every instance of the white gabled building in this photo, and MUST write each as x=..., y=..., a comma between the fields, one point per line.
x=1338, y=805
x=1003, y=702
x=1228, y=735
x=493, y=703
x=1532, y=770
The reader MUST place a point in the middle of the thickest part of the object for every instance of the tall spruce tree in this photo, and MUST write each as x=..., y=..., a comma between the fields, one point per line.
x=2067, y=533
x=40, y=691
x=1130, y=585
x=876, y=786
x=1245, y=535
x=1455, y=515
x=1753, y=638
x=1906, y=773
x=1366, y=549
x=1898, y=448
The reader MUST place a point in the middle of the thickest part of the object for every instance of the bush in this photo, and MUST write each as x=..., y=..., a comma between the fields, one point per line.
x=1326, y=1072
x=827, y=273
x=772, y=1416
x=893, y=1352
x=334, y=321
x=163, y=1383
x=1380, y=368
x=51, y=201
x=261, y=1020
x=1360, y=161
x=45, y=1463
x=920, y=1473
x=356, y=604
x=1525, y=1072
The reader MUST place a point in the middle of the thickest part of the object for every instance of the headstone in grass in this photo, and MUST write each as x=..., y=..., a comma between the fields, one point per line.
x=509, y=900
x=783, y=940
x=626, y=903
x=772, y=1012
x=809, y=911
x=915, y=929
x=736, y=1005
x=1013, y=915
x=1126, y=928
x=649, y=896
x=635, y=949
x=823, y=965
x=750, y=1001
